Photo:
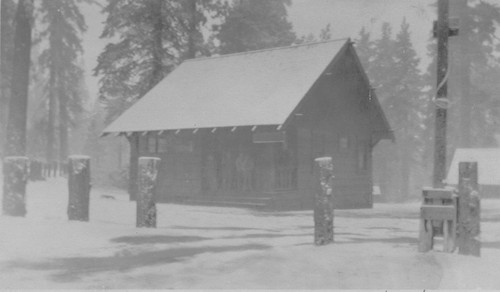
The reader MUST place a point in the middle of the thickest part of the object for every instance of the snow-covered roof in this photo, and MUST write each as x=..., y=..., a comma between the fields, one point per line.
x=488, y=160
x=245, y=89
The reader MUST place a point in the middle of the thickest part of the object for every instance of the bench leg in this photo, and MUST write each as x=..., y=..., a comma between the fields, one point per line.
x=426, y=236
x=446, y=235
x=453, y=243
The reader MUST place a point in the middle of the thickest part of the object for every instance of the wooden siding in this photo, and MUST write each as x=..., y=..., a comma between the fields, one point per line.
x=334, y=121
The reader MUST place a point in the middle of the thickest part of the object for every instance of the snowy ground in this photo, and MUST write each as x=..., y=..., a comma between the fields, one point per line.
x=212, y=247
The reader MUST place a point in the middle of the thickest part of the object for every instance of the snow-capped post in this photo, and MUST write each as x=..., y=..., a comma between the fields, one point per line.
x=323, y=197
x=469, y=209
x=15, y=177
x=79, y=187
x=146, y=206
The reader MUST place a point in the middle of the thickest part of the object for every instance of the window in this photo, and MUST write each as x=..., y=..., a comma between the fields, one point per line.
x=142, y=144
x=152, y=143
x=162, y=144
x=183, y=145
x=362, y=155
x=343, y=143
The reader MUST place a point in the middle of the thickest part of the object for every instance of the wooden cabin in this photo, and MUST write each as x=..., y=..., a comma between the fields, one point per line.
x=244, y=129
x=488, y=168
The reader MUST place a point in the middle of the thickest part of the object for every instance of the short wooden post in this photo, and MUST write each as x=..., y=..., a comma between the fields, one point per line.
x=15, y=177
x=146, y=206
x=323, y=210
x=79, y=188
x=469, y=209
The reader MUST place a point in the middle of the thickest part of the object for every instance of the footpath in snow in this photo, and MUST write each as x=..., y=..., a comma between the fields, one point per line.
x=214, y=247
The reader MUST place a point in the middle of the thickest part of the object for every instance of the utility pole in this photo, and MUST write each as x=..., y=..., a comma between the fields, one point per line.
x=442, y=31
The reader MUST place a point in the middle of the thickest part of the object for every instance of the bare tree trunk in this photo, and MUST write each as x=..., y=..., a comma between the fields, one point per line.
x=192, y=30
x=157, y=71
x=5, y=72
x=50, y=154
x=18, y=103
x=63, y=127
x=133, y=140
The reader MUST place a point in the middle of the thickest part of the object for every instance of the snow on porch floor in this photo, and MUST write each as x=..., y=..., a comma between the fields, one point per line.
x=215, y=247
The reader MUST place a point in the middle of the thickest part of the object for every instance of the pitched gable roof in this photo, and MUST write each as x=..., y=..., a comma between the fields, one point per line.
x=245, y=89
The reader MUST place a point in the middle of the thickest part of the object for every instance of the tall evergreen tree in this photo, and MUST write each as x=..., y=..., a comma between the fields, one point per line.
x=472, y=53
x=380, y=72
x=383, y=63
x=256, y=24
x=152, y=37
x=326, y=33
x=64, y=25
x=393, y=70
x=406, y=106
x=365, y=49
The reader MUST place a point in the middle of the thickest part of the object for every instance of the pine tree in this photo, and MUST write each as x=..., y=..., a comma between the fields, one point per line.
x=383, y=64
x=472, y=54
x=380, y=72
x=60, y=61
x=406, y=106
x=393, y=70
x=256, y=24
x=365, y=49
x=152, y=37
x=326, y=33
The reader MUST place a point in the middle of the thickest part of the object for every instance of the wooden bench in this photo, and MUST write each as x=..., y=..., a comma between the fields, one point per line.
x=438, y=215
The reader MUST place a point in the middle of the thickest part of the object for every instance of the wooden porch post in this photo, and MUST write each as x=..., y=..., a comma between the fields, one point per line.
x=268, y=175
x=133, y=139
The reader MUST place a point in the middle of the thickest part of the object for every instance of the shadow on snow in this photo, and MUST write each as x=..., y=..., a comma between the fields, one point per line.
x=73, y=268
x=153, y=239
